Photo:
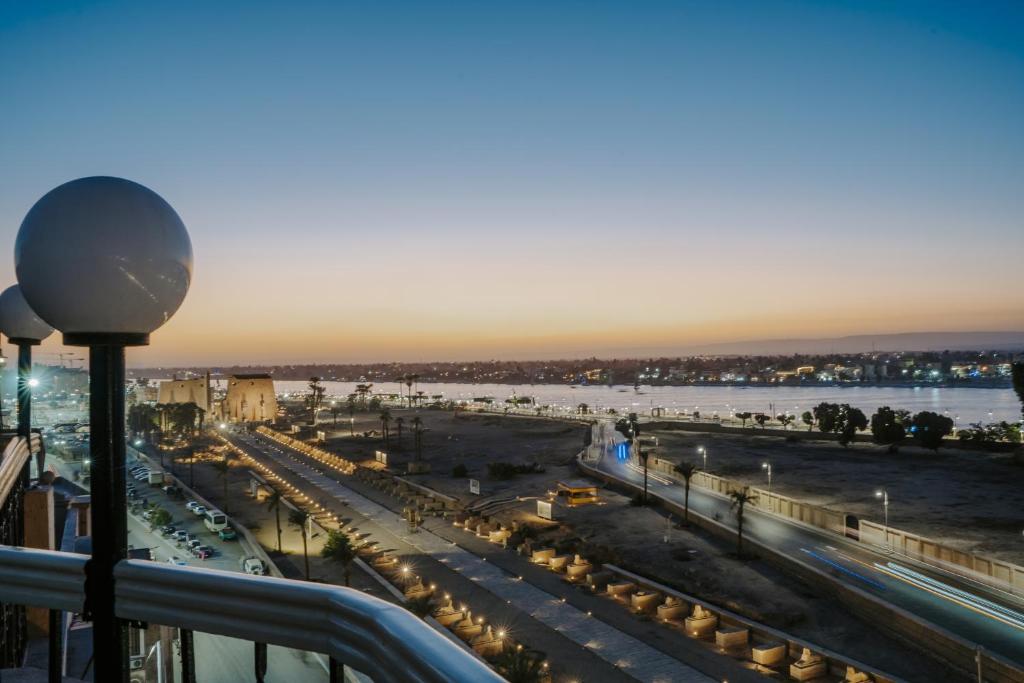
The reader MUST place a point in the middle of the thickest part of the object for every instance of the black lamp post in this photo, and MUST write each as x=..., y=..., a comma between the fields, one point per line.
x=130, y=271
x=24, y=329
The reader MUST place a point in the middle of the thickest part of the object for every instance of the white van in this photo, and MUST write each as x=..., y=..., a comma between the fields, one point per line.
x=215, y=520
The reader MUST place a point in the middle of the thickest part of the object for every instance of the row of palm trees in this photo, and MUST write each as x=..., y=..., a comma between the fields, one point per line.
x=338, y=547
x=417, y=427
x=740, y=499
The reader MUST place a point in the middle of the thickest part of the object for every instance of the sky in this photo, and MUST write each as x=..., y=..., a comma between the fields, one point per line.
x=368, y=181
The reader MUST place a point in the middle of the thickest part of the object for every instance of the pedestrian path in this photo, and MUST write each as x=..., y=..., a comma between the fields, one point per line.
x=623, y=651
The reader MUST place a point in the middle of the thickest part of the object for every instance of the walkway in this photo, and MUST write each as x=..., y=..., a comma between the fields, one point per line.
x=623, y=651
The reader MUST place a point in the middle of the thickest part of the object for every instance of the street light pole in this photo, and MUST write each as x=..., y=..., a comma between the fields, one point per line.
x=132, y=269
x=767, y=466
x=884, y=495
x=24, y=329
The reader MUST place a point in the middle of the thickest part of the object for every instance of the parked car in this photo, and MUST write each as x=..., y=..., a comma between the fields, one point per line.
x=167, y=531
x=174, y=559
x=191, y=505
x=252, y=565
x=192, y=544
x=147, y=514
x=227, y=534
x=199, y=510
x=202, y=552
x=171, y=490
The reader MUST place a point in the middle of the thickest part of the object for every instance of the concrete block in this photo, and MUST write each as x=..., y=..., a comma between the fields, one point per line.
x=809, y=666
x=701, y=622
x=644, y=601
x=732, y=637
x=621, y=589
x=768, y=654
x=673, y=608
x=558, y=563
x=542, y=555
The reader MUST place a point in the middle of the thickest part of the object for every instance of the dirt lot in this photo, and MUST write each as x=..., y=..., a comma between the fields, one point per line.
x=690, y=561
x=971, y=501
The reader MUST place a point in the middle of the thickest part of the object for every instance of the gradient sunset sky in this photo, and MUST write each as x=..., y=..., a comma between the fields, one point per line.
x=435, y=180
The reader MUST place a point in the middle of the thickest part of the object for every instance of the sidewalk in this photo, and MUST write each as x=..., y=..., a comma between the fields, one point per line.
x=618, y=648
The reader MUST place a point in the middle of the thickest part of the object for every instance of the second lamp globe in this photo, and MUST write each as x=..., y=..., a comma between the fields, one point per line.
x=103, y=256
x=17, y=319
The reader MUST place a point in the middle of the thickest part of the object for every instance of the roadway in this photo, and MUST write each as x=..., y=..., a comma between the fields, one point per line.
x=987, y=621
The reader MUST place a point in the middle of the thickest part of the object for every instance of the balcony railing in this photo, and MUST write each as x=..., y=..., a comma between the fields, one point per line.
x=383, y=641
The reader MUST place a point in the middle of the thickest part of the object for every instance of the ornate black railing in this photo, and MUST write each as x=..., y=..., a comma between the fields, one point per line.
x=14, y=464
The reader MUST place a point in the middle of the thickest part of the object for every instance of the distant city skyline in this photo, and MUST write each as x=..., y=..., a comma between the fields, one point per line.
x=456, y=181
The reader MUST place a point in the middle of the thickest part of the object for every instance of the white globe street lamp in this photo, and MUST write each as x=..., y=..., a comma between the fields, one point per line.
x=106, y=261
x=24, y=329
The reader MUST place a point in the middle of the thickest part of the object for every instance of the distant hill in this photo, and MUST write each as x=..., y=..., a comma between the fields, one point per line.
x=863, y=343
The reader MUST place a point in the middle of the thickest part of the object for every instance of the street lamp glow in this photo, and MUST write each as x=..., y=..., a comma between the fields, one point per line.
x=767, y=466
x=33, y=382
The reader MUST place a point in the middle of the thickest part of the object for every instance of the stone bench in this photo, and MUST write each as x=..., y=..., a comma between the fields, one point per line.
x=621, y=589
x=578, y=568
x=558, y=563
x=732, y=637
x=701, y=622
x=673, y=608
x=854, y=676
x=542, y=555
x=644, y=601
x=598, y=580
x=809, y=666
x=768, y=654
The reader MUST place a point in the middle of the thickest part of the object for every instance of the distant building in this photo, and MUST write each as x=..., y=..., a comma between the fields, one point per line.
x=250, y=398
x=195, y=390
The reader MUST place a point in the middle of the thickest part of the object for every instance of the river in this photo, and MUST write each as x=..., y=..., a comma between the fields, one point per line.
x=965, y=405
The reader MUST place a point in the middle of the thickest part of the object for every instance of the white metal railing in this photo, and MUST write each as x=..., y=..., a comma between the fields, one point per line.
x=42, y=578
x=12, y=462
x=380, y=639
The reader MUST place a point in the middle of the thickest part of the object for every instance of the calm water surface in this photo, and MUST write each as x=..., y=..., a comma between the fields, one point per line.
x=965, y=405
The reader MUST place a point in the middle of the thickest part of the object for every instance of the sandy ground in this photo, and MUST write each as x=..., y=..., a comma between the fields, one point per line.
x=971, y=501
x=691, y=561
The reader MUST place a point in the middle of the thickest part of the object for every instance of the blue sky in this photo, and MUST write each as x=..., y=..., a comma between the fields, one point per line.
x=518, y=179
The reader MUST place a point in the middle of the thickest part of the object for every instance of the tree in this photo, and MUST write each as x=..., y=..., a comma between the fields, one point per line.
x=222, y=467
x=740, y=500
x=851, y=421
x=339, y=548
x=408, y=388
x=686, y=470
x=351, y=406
x=761, y=419
x=159, y=518
x=519, y=666
x=300, y=519
x=826, y=415
x=785, y=420
x=1017, y=372
x=743, y=418
x=399, y=421
x=421, y=606
x=315, y=398
x=889, y=427
x=417, y=432
x=274, y=505
x=385, y=421
x=808, y=419
x=929, y=429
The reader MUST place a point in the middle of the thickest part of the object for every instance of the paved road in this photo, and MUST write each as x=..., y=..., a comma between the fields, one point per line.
x=854, y=563
x=627, y=653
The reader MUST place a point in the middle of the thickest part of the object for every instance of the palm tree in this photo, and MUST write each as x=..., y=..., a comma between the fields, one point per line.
x=421, y=606
x=223, y=467
x=274, y=505
x=520, y=666
x=1017, y=373
x=385, y=420
x=740, y=499
x=417, y=426
x=300, y=519
x=339, y=548
x=399, y=421
x=351, y=415
x=408, y=386
x=686, y=470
